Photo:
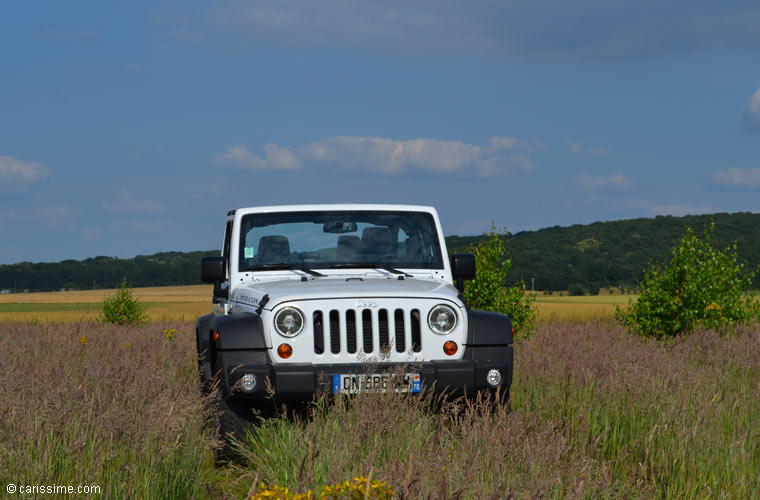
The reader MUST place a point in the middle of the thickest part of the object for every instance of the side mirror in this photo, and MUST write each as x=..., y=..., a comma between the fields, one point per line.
x=212, y=269
x=462, y=268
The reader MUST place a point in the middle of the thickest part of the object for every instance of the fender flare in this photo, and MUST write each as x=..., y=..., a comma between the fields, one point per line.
x=202, y=338
x=238, y=331
x=488, y=329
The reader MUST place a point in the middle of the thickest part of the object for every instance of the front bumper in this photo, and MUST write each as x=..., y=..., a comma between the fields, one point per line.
x=300, y=382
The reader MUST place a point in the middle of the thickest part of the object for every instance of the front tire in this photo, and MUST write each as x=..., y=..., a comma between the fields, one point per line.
x=233, y=417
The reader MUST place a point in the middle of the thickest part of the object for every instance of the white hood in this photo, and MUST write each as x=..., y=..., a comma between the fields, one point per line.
x=359, y=287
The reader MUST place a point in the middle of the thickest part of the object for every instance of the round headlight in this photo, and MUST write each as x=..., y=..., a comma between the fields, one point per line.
x=442, y=319
x=289, y=322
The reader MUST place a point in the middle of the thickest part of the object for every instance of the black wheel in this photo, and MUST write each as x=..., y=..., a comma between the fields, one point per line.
x=232, y=418
x=204, y=371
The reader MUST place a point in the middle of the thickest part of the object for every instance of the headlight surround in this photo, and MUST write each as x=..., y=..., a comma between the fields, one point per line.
x=442, y=319
x=289, y=322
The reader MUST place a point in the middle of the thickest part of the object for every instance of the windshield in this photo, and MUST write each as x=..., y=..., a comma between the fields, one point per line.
x=335, y=238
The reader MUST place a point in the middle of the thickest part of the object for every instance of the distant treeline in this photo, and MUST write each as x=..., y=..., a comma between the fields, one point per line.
x=585, y=258
x=579, y=258
x=165, y=268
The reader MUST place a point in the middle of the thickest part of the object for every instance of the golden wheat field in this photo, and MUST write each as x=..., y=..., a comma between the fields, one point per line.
x=163, y=302
x=189, y=302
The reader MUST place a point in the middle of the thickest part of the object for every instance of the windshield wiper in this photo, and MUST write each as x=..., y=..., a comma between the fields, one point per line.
x=369, y=265
x=275, y=267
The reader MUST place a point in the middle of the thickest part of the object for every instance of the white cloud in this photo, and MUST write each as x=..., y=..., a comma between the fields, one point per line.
x=752, y=111
x=125, y=202
x=277, y=158
x=506, y=143
x=20, y=174
x=738, y=177
x=390, y=156
x=753, y=103
x=617, y=182
x=681, y=210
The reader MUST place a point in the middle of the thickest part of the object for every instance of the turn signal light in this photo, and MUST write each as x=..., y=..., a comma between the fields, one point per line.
x=285, y=351
x=216, y=336
x=450, y=348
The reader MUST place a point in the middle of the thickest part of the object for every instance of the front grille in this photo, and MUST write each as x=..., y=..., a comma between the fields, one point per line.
x=374, y=327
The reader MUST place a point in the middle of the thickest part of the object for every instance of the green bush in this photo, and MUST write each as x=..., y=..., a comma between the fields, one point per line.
x=123, y=308
x=488, y=291
x=702, y=286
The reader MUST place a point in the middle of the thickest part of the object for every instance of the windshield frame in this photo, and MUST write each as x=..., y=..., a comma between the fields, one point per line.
x=436, y=260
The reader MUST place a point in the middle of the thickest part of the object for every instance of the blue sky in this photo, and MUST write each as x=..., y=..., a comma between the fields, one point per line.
x=131, y=128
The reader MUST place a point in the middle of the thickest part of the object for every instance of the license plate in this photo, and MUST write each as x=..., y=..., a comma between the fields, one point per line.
x=376, y=382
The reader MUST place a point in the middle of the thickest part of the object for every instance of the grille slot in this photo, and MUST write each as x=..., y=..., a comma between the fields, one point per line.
x=334, y=331
x=382, y=316
x=398, y=323
x=351, y=331
x=319, y=334
x=367, y=329
x=416, y=333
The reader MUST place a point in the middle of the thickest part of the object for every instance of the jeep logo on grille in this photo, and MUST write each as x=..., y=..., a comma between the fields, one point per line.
x=366, y=303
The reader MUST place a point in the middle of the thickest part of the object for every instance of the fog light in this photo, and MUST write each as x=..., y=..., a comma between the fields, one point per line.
x=285, y=351
x=494, y=377
x=248, y=382
x=450, y=348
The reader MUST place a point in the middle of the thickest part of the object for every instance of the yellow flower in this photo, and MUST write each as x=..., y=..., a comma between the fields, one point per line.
x=378, y=490
x=83, y=340
x=169, y=333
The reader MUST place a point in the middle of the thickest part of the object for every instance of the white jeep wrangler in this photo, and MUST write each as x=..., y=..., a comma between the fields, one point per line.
x=342, y=299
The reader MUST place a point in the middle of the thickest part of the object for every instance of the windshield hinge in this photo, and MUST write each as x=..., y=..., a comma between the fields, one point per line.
x=262, y=303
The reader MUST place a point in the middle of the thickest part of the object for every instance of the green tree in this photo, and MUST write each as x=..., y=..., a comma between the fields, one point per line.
x=488, y=291
x=701, y=286
x=123, y=308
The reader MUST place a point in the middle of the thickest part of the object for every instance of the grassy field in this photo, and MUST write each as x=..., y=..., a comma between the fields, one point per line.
x=596, y=413
x=188, y=302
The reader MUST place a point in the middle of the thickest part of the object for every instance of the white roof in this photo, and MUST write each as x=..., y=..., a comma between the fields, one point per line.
x=336, y=206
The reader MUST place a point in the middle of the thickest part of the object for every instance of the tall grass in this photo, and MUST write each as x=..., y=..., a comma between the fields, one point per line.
x=88, y=404
x=595, y=413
